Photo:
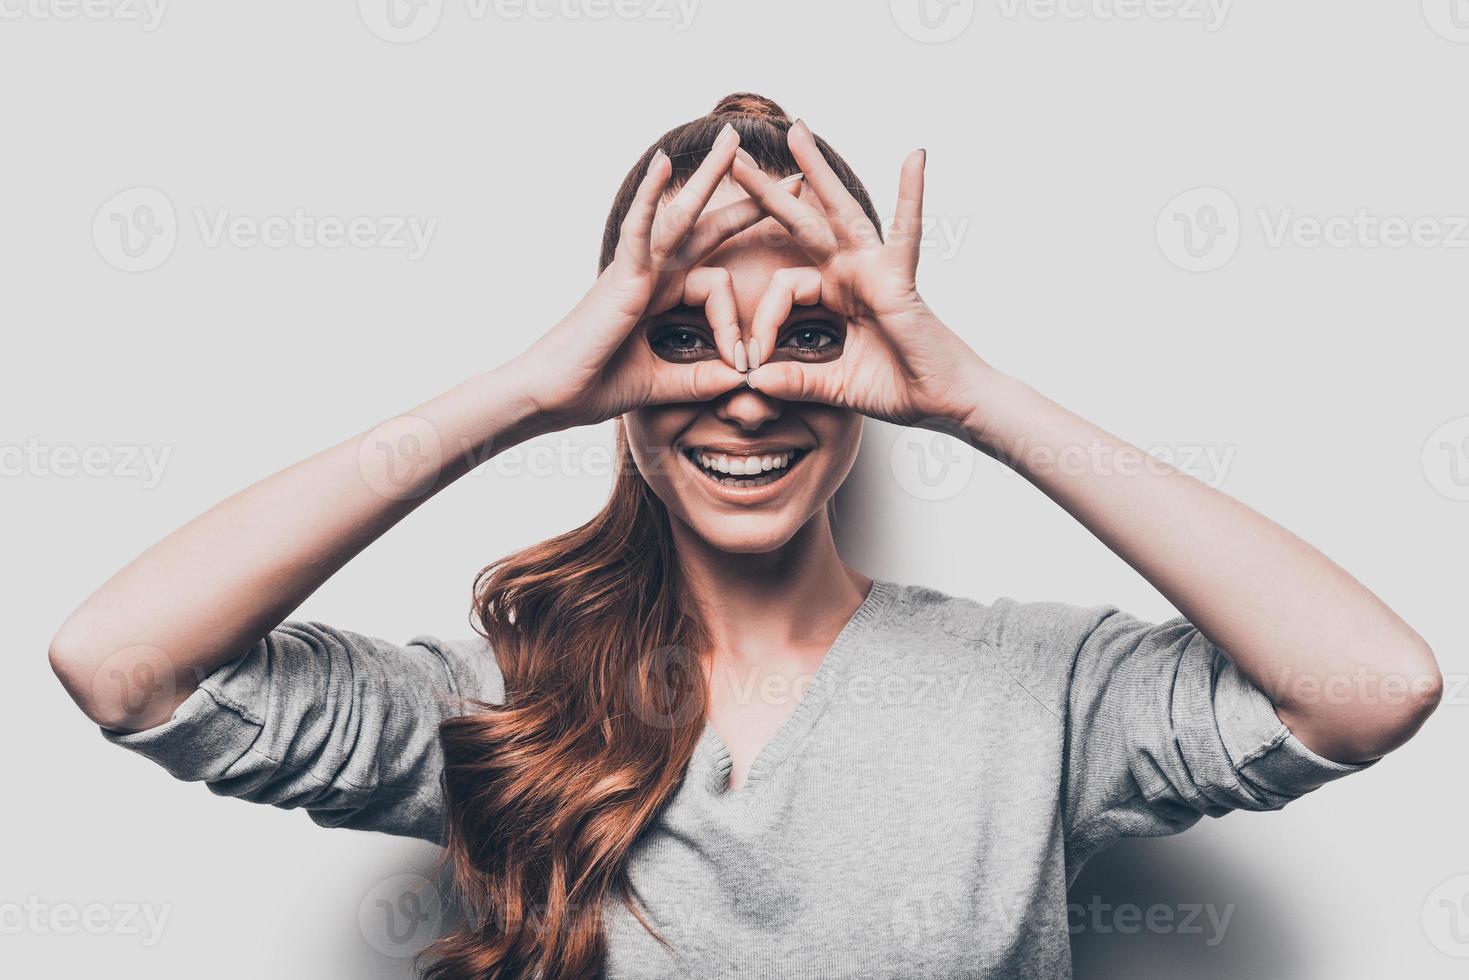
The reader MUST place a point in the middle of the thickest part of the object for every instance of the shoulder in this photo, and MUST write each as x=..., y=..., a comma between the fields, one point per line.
x=1012, y=624
x=473, y=671
x=1035, y=642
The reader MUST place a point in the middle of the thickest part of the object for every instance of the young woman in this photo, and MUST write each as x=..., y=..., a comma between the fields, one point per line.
x=691, y=741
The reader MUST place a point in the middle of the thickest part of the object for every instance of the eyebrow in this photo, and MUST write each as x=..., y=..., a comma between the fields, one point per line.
x=682, y=309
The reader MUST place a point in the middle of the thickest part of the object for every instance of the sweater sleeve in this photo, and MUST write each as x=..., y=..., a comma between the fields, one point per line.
x=341, y=725
x=1161, y=728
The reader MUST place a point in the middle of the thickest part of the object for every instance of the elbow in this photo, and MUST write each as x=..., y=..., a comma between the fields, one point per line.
x=75, y=663
x=1425, y=694
x=113, y=684
x=1361, y=717
x=1393, y=708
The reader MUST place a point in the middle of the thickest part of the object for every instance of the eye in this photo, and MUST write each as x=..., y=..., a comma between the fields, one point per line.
x=681, y=342
x=812, y=340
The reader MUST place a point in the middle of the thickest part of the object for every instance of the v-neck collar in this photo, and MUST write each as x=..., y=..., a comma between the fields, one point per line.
x=712, y=762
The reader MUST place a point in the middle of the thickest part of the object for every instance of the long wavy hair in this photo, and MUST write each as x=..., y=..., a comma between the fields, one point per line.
x=605, y=696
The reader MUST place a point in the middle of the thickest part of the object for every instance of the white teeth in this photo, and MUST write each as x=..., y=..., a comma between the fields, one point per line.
x=742, y=466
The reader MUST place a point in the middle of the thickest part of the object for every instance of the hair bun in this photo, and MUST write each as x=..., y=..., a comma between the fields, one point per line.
x=750, y=104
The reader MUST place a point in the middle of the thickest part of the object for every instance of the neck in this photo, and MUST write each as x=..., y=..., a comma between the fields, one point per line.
x=787, y=603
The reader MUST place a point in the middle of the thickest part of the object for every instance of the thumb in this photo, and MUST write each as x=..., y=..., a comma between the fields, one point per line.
x=701, y=381
x=794, y=381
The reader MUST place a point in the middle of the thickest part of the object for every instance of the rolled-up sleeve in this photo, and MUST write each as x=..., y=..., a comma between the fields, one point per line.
x=341, y=725
x=1161, y=728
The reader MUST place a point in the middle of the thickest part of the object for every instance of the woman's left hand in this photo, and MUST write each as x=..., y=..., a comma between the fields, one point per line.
x=897, y=362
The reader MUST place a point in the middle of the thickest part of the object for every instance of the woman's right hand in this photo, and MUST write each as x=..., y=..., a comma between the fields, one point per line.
x=593, y=365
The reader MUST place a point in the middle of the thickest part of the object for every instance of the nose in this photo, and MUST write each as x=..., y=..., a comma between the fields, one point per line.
x=748, y=409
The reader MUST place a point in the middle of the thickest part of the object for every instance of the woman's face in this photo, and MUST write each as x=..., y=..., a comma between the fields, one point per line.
x=745, y=472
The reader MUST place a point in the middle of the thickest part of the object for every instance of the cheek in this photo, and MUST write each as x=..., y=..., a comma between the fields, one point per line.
x=650, y=431
x=840, y=434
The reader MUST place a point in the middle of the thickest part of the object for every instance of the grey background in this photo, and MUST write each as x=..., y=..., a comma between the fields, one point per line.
x=1326, y=380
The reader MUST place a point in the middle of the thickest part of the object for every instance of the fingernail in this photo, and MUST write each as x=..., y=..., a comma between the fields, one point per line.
x=754, y=353
x=742, y=363
x=800, y=124
x=658, y=154
x=750, y=380
x=746, y=159
x=792, y=179
x=727, y=132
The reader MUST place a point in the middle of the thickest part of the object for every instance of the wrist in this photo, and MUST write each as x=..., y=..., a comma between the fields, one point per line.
x=513, y=412
x=991, y=399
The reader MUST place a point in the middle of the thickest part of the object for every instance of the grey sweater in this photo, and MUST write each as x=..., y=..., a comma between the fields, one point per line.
x=940, y=783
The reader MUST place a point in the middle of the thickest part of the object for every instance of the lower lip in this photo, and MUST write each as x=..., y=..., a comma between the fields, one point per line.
x=743, y=495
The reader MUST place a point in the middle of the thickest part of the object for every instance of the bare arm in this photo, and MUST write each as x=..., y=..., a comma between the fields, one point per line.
x=1346, y=674
x=1351, y=679
x=203, y=595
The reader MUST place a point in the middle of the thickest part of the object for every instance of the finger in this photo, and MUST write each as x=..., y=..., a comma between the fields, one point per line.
x=637, y=227
x=712, y=287
x=700, y=381
x=798, y=381
x=718, y=226
x=849, y=222
x=677, y=218
x=906, y=233
x=788, y=288
x=806, y=225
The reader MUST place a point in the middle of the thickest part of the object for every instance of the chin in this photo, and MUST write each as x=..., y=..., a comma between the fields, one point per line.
x=744, y=534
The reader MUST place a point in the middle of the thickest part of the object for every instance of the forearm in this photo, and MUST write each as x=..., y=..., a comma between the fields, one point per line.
x=209, y=590
x=1349, y=677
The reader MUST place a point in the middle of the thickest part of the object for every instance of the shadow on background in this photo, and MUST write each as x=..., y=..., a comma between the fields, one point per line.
x=1193, y=893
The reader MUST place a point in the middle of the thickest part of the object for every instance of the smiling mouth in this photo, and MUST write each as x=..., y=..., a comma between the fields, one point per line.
x=744, y=470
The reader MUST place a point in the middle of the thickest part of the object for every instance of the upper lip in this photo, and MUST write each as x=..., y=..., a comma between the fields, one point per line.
x=744, y=449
